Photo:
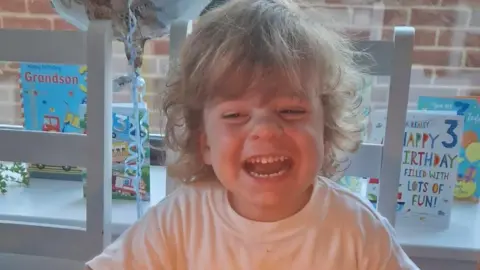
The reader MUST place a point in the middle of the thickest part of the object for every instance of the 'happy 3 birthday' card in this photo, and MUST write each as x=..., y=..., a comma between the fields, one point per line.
x=431, y=146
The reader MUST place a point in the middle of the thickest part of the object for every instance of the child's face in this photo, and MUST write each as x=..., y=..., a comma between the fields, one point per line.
x=265, y=147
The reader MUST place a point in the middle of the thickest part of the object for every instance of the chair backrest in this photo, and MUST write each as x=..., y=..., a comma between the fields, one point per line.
x=390, y=58
x=386, y=58
x=94, y=49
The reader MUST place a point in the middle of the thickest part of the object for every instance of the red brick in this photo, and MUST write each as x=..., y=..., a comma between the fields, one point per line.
x=472, y=38
x=420, y=2
x=27, y=23
x=457, y=2
x=419, y=76
x=395, y=17
x=40, y=7
x=17, y=6
x=449, y=72
x=423, y=37
x=472, y=59
x=436, y=57
x=61, y=24
x=411, y=3
x=160, y=46
x=457, y=77
x=387, y=3
x=434, y=17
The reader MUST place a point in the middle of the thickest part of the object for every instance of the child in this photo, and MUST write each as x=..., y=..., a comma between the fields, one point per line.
x=263, y=106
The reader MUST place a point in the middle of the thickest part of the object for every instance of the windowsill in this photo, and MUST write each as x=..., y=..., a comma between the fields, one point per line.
x=62, y=203
x=57, y=202
x=461, y=241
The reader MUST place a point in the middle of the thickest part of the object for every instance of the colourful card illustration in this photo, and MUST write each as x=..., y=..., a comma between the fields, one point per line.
x=51, y=96
x=468, y=179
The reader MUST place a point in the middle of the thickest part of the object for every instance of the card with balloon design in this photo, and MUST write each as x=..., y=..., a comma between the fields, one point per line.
x=468, y=178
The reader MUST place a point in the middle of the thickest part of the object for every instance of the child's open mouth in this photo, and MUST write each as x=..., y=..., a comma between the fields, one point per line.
x=267, y=166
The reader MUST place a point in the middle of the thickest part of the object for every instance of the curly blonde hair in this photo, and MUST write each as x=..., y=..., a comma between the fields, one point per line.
x=259, y=39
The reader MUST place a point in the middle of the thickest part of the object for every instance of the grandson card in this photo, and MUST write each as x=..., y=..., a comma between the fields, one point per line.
x=468, y=178
x=431, y=145
x=51, y=95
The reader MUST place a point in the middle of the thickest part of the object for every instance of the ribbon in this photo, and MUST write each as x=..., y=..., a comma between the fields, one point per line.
x=134, y=162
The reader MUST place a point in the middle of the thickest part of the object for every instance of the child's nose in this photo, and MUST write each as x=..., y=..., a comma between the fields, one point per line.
x=266, y=127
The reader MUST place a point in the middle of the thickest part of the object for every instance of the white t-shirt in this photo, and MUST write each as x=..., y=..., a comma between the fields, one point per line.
x=195, y=229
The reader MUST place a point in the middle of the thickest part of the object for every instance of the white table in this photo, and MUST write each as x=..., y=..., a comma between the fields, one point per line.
x=62, y=203
x=461, y=241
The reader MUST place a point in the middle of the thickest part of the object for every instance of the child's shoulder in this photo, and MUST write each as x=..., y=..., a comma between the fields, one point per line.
x=344, y=206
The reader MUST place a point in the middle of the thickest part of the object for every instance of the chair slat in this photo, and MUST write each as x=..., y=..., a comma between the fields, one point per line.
x=42, y=46
x=44, y=240
x=43, y=148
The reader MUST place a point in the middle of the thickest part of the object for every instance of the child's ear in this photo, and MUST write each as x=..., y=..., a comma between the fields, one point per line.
x=204, y=149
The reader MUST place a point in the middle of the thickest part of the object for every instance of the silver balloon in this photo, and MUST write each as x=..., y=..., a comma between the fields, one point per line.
x=153, y=17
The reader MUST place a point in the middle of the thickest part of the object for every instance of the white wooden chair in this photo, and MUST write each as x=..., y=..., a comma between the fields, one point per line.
x=94, y=49
x=390, y=58
x=394, y=59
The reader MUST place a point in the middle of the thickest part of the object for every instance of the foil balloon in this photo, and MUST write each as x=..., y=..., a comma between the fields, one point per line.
x=153, y=17
x=72, y=11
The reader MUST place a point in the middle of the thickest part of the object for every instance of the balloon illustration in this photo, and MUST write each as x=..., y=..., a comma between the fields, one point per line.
x=468, y=138
x=472, y=152
x=467, y=181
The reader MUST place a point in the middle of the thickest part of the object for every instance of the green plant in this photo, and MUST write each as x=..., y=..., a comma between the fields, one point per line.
x=14, y=173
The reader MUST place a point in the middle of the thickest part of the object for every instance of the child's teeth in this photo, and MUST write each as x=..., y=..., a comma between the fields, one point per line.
x=259, y=175
x=269, y=159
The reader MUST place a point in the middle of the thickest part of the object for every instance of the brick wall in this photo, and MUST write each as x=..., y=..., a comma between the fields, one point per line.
x=447, y=52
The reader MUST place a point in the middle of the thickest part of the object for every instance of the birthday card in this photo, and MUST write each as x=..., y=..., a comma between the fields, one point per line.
x=468, y=178
x=431, y=146
x=50, y=98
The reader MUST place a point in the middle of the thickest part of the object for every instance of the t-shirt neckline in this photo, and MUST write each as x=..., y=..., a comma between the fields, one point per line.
x=257, y=231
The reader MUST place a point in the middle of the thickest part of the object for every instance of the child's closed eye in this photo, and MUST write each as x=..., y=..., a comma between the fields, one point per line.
x=231, y=115
x=293, y=113
x=235, y=117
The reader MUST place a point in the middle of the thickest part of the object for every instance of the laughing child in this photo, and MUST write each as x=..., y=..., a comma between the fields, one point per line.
x=263, y=107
